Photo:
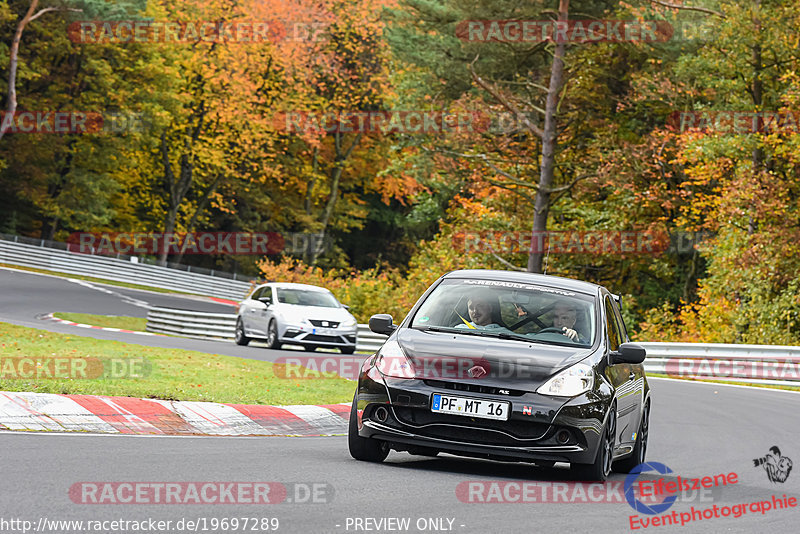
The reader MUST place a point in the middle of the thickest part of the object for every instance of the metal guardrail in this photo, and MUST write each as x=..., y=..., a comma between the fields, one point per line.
x=203, y=325
x=107, y=268
x=188, y=323
x=759, y=364
x=367, y=340
x=756, y=364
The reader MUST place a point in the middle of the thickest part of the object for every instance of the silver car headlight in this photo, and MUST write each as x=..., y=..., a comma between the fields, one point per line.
x=570, y=382
x=348, y=323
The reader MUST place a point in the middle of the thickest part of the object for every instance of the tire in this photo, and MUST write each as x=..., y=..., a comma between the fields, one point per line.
x=272, y=336
x=238, y=336
x=348, y=350
x=601, y=467
x=639, y=448
x=364, y=449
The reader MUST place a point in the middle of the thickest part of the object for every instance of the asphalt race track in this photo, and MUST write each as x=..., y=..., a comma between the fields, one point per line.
x=24, y=297
x=697, y=430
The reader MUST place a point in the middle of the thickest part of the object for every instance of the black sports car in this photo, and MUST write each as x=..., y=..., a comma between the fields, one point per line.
x=508, y=366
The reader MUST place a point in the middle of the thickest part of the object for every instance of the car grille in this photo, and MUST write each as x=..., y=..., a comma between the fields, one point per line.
x=474, y=388
x=469, y=429
x=328, y=324
x=323, y=339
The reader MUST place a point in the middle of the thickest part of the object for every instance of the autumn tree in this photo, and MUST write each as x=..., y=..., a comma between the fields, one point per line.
x=525, y=80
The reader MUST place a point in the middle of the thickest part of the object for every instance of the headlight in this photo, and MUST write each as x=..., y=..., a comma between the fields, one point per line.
x=392, y=361
x=348, y=323
x=570, y=382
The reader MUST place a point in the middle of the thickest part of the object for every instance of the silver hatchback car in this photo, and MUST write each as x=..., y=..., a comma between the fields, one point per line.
x=296, y=314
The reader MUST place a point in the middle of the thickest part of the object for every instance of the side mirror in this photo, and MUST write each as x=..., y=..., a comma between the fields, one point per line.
x=382, y=324
x=346, y=307
x=628, y=353
x=266, y=300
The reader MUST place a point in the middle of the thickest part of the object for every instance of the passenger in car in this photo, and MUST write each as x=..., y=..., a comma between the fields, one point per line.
x=484, y=311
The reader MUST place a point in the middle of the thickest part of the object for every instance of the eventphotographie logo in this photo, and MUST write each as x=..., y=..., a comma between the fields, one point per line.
x=777, y=467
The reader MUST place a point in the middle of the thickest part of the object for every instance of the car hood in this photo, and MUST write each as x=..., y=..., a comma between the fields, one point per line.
x=295, y=312
x=504, y=363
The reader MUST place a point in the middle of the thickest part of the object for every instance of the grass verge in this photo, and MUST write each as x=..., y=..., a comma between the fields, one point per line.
x=106, y=321
x=173, y=374
x=767, y=386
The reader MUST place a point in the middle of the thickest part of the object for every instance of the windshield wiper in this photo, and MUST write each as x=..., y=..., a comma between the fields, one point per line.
x=519, y=337
x=469, y=332
x=482, y=333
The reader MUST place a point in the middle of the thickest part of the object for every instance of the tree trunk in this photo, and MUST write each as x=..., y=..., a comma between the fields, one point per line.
x=307, y=202
x=541, y=207
x=336, y=175
x=758, y=101
x=176, y=191
x=13, y=62
x=201, y=206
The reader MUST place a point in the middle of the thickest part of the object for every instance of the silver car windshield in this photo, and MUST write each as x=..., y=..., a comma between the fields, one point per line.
x=526, y=312
x=306, y=297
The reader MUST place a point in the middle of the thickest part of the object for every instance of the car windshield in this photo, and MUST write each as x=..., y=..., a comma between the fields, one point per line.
x=307, y=297
x=509, y=310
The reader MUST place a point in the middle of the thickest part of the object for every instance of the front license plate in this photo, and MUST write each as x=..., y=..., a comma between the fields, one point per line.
x=324, y=331
x=483, y=408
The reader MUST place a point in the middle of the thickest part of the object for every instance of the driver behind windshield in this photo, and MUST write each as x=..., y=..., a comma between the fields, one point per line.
x=565, y=315
x=483, y=308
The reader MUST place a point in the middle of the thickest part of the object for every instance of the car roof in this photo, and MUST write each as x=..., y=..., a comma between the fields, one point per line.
x=292, y=285
x=527, y=278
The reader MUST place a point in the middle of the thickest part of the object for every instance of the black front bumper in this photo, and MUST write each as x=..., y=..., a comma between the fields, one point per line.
x=535, y=429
